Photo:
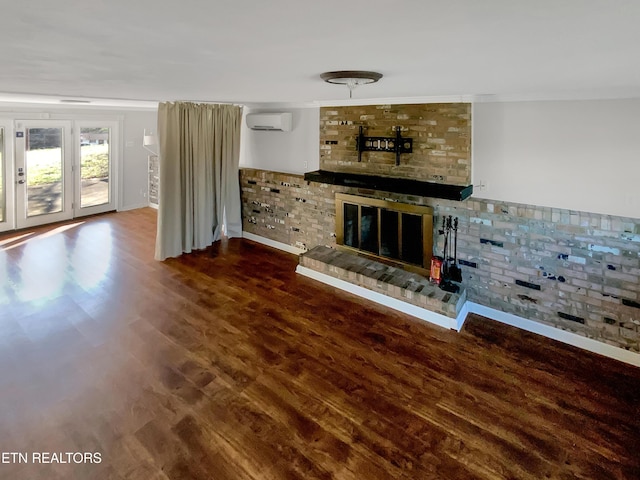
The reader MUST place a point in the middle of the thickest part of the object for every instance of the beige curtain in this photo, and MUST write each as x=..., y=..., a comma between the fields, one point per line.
x=199, y=191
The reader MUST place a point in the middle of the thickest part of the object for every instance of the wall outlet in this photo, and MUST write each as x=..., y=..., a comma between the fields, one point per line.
x=305, y=164
x=481, y=186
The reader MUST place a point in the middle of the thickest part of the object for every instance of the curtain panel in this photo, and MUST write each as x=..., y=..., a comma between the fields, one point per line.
x=199, y=191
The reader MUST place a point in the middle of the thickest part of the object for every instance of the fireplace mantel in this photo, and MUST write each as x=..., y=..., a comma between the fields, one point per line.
x=404, y=186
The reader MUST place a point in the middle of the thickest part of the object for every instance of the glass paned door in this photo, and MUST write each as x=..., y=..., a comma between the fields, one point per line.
x=44, y=179
x=95, y=185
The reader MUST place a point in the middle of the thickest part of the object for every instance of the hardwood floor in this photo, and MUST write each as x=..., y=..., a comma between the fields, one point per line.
x=225, y=364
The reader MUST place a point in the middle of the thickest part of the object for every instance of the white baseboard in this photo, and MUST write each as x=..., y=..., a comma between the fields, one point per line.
x=462, y=316
x=272, y=243
x=548, y=331
x=401, y=306
x=563, y=336
x=153, y=205
x=133, y=207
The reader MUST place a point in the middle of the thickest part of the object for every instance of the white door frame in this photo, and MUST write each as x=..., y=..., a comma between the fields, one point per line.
x=22, y=219
x=9, y=178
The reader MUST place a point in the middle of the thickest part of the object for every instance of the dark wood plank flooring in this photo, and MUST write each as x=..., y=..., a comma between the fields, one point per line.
x=225, y=364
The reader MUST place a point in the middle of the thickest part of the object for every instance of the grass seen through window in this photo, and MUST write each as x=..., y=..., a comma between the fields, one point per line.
x=44, y=164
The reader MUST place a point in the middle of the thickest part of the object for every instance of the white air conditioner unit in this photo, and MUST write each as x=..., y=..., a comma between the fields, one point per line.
x=269, y=121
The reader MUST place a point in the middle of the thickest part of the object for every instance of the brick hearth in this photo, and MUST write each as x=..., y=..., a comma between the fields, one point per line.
x=383, y=279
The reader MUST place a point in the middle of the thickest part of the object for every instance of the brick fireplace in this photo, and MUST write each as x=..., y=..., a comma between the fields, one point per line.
x=575, y=271
x=553, y=266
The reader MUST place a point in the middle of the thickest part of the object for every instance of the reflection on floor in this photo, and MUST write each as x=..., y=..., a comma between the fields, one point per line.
x=225, y=364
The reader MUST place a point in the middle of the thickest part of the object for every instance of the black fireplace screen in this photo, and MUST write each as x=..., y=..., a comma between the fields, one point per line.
x=390, y=230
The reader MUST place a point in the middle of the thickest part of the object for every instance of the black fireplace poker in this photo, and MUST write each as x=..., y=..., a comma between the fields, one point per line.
x=454, y=270
x=451, y=273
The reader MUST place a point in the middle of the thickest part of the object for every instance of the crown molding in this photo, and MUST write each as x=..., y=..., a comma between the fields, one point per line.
x=73, y=102
x=396, y=100
x=280, y=105
x=8, y=100
x=618, y=94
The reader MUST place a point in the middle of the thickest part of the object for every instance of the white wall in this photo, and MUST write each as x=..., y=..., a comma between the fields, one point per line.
x=578, y=155
x=135, y=172
x=297, y=151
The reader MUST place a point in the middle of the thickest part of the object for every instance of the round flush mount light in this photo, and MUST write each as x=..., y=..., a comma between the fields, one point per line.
x=351, y=78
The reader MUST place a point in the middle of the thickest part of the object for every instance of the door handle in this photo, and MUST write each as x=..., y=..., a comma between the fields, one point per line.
x=20, y=182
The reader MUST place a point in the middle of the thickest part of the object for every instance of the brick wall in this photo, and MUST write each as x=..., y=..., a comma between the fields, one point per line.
x=573, y=270
x=285, y=208
x=441, y=136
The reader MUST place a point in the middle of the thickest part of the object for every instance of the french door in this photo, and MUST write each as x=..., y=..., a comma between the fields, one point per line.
x=43, y=172
x=55, y=170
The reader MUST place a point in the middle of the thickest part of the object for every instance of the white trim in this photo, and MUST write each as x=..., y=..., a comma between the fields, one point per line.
x=58, y=101
x=120, y=170
x=8, y=175
x=627, y=93
x=462, y=316
x=617, y=94
x=280, y=105
x=13, y=100
x=153, y=205
x=133, y=207
x=272, y=243
x=556, y=334
x=401, y=306
x=397, y=100
x=605, y=94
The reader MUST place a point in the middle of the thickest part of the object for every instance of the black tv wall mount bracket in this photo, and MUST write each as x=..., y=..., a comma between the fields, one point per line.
x=395, y=144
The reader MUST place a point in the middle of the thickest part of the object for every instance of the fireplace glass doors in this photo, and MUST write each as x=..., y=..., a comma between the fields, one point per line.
x=398, y=233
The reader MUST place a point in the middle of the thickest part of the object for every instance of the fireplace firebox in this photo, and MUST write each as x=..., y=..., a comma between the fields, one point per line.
x=396, y=233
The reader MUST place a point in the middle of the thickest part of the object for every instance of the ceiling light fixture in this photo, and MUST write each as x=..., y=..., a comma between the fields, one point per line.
x=351, y=78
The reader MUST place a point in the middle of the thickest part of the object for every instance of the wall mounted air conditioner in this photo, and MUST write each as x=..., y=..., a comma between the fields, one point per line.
x=269, y=121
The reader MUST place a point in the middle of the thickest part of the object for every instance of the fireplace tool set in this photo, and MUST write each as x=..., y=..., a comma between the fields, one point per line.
x=445, y=271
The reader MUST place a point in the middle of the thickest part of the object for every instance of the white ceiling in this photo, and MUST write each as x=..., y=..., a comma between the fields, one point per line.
x=273, y=51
